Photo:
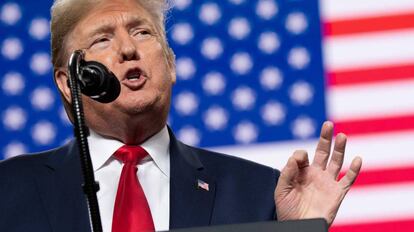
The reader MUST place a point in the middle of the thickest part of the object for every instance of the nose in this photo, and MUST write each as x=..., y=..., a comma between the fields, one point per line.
x=127, y=49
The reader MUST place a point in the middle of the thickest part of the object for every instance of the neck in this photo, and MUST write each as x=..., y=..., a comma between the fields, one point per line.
x=132, y=130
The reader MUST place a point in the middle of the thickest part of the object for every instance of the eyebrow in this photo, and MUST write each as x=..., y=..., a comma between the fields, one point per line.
x=134, y=20
x=101, y=29
x=108, y=26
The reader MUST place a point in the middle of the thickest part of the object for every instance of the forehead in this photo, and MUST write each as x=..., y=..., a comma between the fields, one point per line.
x=115, y=11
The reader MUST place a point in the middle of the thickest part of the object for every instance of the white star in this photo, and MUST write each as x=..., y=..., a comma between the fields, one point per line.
x=299, y=58
x=239, y=28
x=214, y=83
x=296, y=23
x=12, y=48
x=182, y=4
x=269, y=42
x=243, y=98
x=42, y=98
x=39, y=28
x=301, y=93
x=40, y=63
x=266, y=9
x=236, y=2
x=271, y=78
x=241, y=63
x=189, y=135
x=43, y=133
x=14, y=118
x=182, y=33
x=211, y=48
x=10, y=13
x=273, y=113
x=245, y=132
x=210, y=13
x=216, y=118
x=14, y=149
x=186, y=103
x=303, y=127
x=13, y=83
x=185, y=68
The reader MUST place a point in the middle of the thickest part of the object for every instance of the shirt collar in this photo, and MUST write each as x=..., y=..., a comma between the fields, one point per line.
x=157, y=146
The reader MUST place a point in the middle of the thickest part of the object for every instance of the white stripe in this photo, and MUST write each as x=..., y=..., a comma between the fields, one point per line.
x=377, y=203
x=270, y=154
x=382, y=150
x=350, y=9
x=371, y=49
x=371, y=100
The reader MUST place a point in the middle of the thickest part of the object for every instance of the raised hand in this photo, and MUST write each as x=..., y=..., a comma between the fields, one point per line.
x=313, y=190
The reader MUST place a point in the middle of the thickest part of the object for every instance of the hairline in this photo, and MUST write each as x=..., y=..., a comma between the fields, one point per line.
x=60, y=59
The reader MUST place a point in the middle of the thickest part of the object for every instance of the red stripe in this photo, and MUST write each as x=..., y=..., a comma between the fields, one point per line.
x=370, y=75
x=385, y=176
x=371, y=24
x=375, y=125
x=388, y=226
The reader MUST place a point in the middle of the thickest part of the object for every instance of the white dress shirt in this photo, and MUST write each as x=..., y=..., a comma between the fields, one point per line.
x=153, y=174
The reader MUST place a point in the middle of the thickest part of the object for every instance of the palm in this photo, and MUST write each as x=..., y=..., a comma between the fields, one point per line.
x=312, y=191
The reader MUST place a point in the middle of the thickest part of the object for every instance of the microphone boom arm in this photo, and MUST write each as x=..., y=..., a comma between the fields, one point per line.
x=81, y=131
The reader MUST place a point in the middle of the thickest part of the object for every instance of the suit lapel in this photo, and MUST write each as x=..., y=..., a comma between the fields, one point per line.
x=190, y=205
x=59, y=185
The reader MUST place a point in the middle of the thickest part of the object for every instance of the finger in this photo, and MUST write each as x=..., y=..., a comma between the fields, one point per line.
x=324, y=146
x=352, y=173
x=297, y=161
x=337, y=158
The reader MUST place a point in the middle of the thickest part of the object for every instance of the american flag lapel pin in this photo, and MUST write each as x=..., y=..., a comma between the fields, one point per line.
x=202, y=185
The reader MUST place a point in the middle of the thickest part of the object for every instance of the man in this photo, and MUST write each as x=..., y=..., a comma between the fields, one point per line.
x=182, y=186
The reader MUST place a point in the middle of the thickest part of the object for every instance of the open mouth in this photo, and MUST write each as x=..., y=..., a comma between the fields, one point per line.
x=134, y=79
x=133, y=74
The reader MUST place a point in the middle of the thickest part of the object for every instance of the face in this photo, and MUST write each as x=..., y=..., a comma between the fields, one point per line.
x=123, y=36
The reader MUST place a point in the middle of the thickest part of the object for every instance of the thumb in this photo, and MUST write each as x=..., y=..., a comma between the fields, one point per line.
x=297, y=161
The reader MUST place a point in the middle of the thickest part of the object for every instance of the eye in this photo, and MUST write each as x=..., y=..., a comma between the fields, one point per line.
x=100, y=40
x=142, y=33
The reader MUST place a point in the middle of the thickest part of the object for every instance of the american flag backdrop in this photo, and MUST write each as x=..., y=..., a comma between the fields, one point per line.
x=256, y=79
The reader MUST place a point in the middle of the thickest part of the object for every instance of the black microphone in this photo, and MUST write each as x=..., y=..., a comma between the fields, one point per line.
x=95, y=79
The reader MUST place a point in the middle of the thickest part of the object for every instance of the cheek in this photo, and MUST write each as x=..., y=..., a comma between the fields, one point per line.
x=156, y=61
x=107, y=58
x=91, y=108
x=154, y=53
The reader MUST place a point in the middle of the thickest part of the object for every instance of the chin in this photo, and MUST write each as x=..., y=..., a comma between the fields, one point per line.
x=152, y=103
x=141, y=106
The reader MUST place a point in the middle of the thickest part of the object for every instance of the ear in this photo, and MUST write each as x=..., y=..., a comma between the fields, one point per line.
x=171, y=65
x=61, y=79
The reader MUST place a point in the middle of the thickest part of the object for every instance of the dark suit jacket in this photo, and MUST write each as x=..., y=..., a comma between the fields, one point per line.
x=42, y=192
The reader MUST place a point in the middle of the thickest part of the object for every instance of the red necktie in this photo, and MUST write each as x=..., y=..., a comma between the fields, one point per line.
x=131, y=211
